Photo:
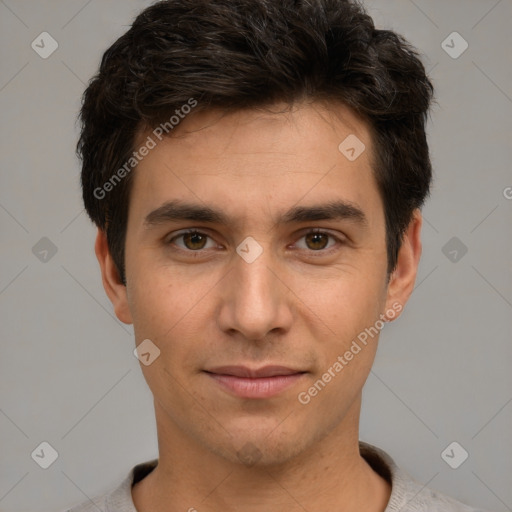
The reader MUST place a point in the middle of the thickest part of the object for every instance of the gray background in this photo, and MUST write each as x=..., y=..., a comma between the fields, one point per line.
x=67, y=372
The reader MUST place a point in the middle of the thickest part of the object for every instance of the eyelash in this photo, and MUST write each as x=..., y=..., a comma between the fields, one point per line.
x=321, y=252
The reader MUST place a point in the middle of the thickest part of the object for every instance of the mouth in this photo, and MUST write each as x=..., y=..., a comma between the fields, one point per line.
x=262, y=382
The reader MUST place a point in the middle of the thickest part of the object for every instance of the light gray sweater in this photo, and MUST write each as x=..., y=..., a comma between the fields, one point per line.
x=407, y=495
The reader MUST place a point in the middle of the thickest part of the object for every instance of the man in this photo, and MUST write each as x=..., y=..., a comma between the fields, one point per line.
x=256, y=171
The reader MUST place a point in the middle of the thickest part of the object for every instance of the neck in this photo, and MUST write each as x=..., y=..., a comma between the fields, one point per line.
x=329, y=475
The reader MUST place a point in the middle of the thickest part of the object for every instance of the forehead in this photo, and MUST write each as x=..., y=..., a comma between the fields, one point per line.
x=311, y=153
x=312, y=125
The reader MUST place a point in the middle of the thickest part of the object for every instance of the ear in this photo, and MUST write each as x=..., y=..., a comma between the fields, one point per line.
x=114, y=288
x=402, y=279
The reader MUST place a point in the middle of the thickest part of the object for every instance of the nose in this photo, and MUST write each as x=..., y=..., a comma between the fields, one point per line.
x=254, y=301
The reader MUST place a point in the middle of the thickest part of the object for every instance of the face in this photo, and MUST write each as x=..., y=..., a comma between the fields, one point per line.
x=255, y=259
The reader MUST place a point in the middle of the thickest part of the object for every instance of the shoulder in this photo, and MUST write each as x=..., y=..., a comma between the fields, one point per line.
x=408, y=495
x=415, y=497
x=116, y=499
x=119, y=498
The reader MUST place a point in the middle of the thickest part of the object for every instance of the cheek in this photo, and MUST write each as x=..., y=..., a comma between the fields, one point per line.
x=350, y=306
x=355, y=310
x=344, y=300
x=174, y=314
x=161, y=313
x=347, y=352
x=157, y=294
x=170, y=319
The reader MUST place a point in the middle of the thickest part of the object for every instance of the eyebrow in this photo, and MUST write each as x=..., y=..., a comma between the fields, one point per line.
x=178, y=210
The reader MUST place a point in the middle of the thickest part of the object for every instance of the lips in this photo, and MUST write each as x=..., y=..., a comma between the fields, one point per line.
x=245, y=382
x=243, y=371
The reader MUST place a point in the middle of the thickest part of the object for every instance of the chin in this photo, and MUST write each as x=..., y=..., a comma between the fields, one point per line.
x=262, y=448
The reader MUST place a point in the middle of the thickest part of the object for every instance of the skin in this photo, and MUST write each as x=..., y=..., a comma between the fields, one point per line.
x=298, y=304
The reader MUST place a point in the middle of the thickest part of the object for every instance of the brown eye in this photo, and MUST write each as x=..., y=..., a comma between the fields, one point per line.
x=317, y=241
x=194, y=241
